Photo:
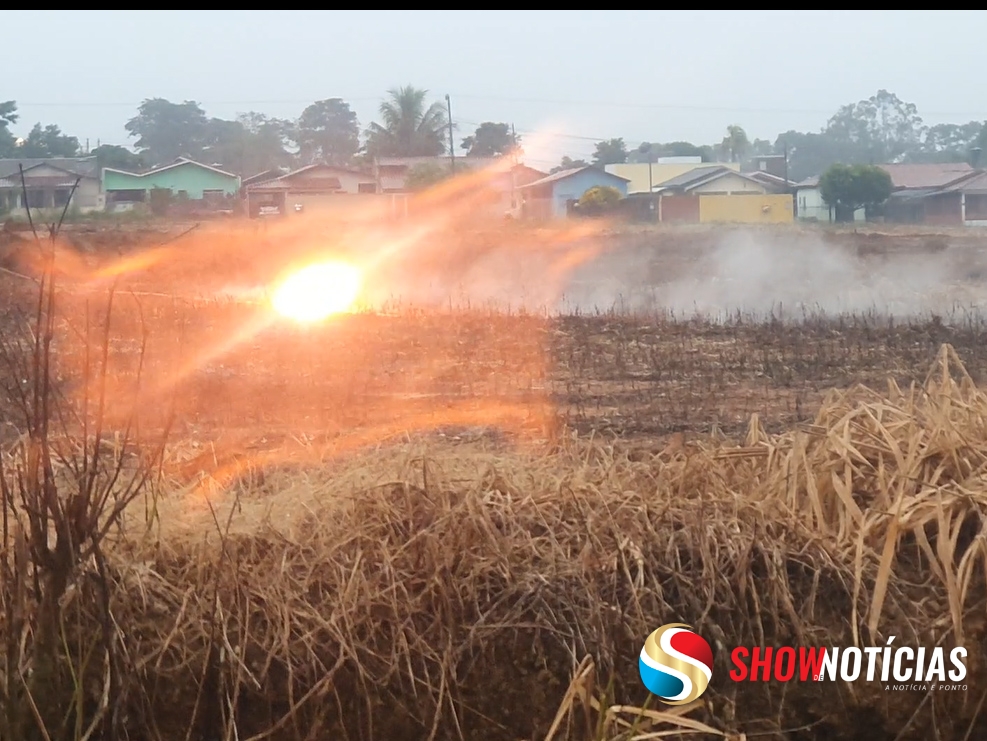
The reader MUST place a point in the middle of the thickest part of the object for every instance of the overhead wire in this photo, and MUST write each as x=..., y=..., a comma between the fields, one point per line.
x=973, y=114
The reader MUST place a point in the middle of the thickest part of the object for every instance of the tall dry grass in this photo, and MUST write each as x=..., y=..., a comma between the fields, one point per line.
x=435, y=591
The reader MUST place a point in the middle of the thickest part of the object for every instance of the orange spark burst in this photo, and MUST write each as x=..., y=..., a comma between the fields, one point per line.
x=318, y=291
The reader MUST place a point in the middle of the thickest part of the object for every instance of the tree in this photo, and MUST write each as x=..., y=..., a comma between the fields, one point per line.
x=948, y=142
x=48, y=141
x=599, y=198
x=882, y=128
x=847, y=188
x=610, y=152
x=808, y=154
x=117, y=157
x=735, y=144
x=409, y=128
x=568, y=163
x=490, y=140
x=328, y=132
x=224, y=144
x=671, y=149
x=166, y=131
x=8, y=117
x=269, y=140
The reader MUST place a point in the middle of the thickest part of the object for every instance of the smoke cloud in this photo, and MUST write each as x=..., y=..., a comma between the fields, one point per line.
x=717, y=275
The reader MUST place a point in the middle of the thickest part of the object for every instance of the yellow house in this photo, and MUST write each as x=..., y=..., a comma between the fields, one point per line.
x=715, y=193
x=660, y=172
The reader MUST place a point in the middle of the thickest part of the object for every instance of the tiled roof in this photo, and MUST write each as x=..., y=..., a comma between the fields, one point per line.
x=563, y=174
x=180, y=162
x=442, y=160
x=84, y=166
x=976, y=180
x=933, y=175
x=705, y=174
x=693, y=176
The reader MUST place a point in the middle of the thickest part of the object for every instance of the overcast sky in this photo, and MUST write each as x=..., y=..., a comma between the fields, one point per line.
x=573, y=76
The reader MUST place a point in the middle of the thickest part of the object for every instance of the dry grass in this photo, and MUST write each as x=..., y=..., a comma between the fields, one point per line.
x=425, y=591
x=309, y=568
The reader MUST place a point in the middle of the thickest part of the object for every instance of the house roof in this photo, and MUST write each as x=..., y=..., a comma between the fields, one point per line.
x=701, y=176
x=87, y=167
x=912, y=194
x=180, y=162
x=931, y=175
x=263, y=177
x=563, y=174
x=284, y=181
x=768, y=178
x=811, y=182
x=695, y=175
x=439, y=160
x=974, y=181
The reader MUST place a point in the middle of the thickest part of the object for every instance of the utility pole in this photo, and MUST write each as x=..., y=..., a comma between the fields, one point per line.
x=452, y=145
x=788, y=187
x=513, y=166
x=648, y=149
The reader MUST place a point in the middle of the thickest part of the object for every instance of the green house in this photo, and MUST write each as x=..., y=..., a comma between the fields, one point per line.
x=185, y=178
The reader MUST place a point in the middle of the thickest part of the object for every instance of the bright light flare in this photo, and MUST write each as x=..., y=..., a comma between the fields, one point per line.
x=318, y=291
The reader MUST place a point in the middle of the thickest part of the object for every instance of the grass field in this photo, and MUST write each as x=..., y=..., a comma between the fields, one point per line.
x=460, y=512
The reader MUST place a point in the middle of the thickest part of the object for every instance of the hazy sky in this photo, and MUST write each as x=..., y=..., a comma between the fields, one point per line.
x=573, y=76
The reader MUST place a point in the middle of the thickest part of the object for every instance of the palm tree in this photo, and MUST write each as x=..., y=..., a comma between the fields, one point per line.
x=408, y=128
x=735, y=143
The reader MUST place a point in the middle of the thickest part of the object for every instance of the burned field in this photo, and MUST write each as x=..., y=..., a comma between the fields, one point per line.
x=633, y=377
x=462, y=523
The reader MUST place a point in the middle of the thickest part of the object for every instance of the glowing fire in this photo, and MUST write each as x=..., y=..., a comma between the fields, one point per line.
x=317, y=291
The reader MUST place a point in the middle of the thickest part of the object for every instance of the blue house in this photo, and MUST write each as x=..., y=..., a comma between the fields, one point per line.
x=550, y=196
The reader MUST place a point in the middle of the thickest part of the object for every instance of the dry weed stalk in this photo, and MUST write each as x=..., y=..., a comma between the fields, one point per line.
x=64, y=488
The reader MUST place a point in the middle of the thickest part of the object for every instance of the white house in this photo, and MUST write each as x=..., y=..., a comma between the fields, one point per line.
x=810, y=206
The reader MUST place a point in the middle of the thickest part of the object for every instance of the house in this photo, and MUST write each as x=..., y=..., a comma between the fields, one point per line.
x=773, y=183
x=262, y=177
x=960, y=202
x=810, y=206
x=308, y=187
x=971, y=193
x=643, y=176
x=185, y=178
x=717, y=193
x=944, y=194
x=49, y=184
x=391, y=173
x=711, y=179
x=552, y=194
x=507, y=184
x=772, y=164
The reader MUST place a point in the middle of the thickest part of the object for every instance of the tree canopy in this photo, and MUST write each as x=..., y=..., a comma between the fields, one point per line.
x=610, y=152
x=490, y=140
x=328, y=132
x=409, y=125
x=880, y=129
x=850, y=187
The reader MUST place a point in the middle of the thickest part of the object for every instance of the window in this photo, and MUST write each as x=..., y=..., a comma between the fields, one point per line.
x=366, y=188
x=61, y=197
x=762, y=166
x=37, y=198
